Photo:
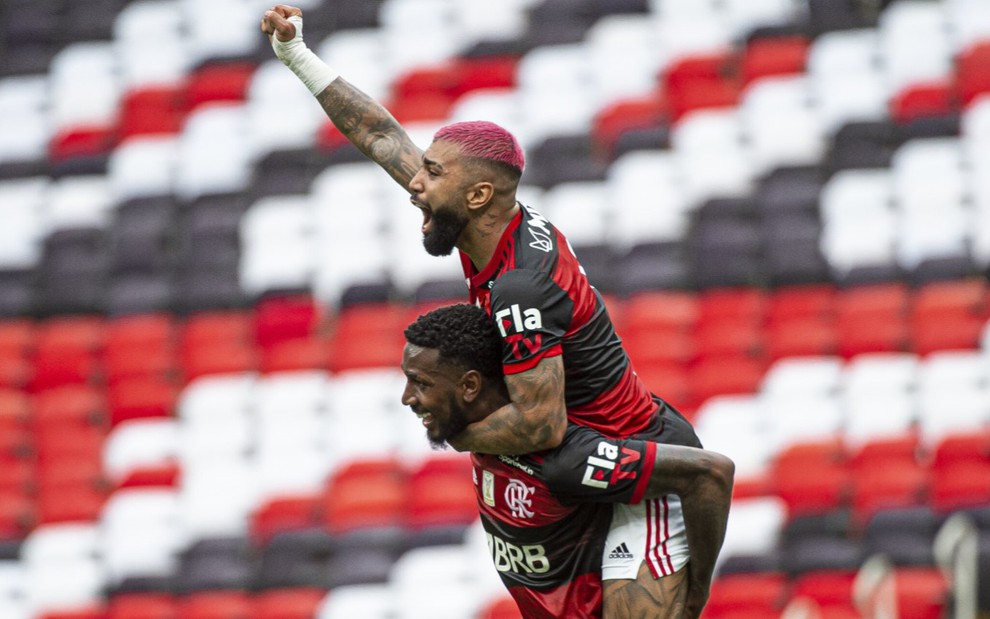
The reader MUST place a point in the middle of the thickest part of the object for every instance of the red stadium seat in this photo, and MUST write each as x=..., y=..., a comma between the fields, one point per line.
x=725, y=376
x=812, y=302
x=219, y=82
x=94, y=612
x=671, y=381
x=949, y=315
x=18, y=477
x=18, y=515
x=658, y=309
x=71, y=407
x=439, y=79
x=441, y=493
x=279, y=319
x=215, y=605
x=220, y=358
x=659, y=346
x=811, y=477
x=152, y=111
x=366, y=494
x=801, y=337
x=142, y=606
x=500, y=608
x=759, y=592
x=774, y=56
x=206, y=328
x=825, y=587
x=67, y=351
x=141, y=346
x=296, y=603
x=921, y=592
x=368, y=336
x=922, y=101
x=70, y=505
x=141, y=398
x=700, y=82
x=484, y=73
x=899, y=450
x=617, y=118
x=973, y=71
x=880, y=302
x=16, y=346
x=737, y=304
x=895, y=484
x=730, y=337
x=165, y=475
x=298, y=354
x=81, y=141
x=967, y=448
x=960, y=485
x=288, y=513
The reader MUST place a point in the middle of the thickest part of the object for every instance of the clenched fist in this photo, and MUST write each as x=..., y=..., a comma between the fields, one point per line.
x=276, y=22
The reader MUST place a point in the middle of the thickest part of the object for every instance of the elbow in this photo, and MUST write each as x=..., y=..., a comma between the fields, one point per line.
x=723, y=471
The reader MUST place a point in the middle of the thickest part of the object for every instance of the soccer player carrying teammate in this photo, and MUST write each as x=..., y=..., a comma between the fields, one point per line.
x=562, y=359
x=546, y=546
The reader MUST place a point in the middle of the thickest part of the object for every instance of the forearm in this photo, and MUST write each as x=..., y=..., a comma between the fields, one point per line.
x=507, y=431
x=362, y=120
x=372, y=129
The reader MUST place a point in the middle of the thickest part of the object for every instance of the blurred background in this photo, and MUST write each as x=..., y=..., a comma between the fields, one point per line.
x=203, y=287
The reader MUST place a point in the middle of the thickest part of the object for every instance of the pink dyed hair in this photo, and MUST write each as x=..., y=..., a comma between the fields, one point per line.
x=484, y=140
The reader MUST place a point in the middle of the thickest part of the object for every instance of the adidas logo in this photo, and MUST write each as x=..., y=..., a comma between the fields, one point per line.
x=620, y=552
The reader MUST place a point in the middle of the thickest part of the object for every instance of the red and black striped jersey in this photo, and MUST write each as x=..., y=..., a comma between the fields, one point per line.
x=541, y=301
x=548, y=555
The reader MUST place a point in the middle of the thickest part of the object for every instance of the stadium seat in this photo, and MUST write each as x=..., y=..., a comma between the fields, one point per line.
x=215, y=605
x=141, y=606
x=294, y=603
x=501, y=608
x=374, y=601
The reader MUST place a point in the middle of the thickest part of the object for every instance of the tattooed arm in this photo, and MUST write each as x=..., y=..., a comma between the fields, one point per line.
x=535, y=420
x=362, y=120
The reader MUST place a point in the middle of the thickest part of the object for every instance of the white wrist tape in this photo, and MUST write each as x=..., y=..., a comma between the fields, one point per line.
x=313, y=72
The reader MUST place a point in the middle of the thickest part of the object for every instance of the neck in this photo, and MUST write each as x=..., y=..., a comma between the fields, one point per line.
x=480, y=239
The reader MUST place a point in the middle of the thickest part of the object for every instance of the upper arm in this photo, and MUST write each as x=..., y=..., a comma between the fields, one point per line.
x=538, y=394
x=680, y=470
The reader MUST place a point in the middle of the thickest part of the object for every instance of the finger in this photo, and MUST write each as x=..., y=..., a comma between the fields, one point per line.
x=287, y=11
x=284, y=30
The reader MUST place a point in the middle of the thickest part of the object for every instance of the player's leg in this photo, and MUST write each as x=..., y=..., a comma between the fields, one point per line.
x=645, y=597
x=644, y=564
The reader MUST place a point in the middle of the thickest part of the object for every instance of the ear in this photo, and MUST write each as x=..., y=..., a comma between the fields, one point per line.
x=480, y=194
x=470, y=386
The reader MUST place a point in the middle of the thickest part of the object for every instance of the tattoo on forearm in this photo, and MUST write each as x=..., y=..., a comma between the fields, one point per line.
x=536, y=388
x=371, y=128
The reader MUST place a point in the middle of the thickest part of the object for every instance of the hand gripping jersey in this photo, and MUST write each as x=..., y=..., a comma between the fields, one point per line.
x=538, y=294
x=548, y=550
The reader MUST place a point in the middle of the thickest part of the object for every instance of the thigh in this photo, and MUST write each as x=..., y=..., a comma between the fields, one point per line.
x=645, y=597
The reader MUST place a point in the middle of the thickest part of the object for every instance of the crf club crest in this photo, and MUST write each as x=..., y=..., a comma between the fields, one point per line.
x=517, y=498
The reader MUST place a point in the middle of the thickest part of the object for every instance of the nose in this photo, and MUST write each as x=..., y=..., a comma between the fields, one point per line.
x=416, y=184
x=408, y=396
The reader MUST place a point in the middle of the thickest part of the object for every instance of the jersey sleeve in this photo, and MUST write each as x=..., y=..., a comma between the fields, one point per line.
x=532, y=314
x=588, y=467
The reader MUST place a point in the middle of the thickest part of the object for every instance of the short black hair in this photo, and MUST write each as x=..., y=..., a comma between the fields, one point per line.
x=463, y=334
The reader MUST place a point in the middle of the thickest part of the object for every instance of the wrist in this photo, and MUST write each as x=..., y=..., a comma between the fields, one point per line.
x=313, y=72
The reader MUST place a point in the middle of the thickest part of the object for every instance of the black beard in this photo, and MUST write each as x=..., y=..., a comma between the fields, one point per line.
x=447, y=228
x=456, y=423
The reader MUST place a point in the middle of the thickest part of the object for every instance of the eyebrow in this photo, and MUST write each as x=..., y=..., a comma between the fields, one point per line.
x=430, y=162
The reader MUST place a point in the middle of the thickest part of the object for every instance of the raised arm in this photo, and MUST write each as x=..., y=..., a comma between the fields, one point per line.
x=535, y=420
x=362, y=120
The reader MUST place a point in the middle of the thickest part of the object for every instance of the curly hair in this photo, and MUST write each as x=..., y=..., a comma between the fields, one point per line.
x=465, y=336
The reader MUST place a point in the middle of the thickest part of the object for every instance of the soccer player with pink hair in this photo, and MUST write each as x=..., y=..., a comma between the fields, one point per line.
x=562, y=360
